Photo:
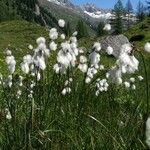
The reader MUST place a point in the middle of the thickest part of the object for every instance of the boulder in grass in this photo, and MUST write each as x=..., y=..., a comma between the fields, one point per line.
x=114, y=41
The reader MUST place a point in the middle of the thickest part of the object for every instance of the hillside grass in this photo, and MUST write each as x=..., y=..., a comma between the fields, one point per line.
x=17, y=35
x=111, y=121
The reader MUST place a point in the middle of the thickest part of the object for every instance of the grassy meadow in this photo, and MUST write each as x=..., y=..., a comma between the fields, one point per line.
x=80, y=120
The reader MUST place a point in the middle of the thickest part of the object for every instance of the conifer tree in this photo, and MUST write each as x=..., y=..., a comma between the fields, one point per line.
x=67, y=29
x=128, y=11
x=81, y=29
x=100, y=31
x=148, y=6
x=119, y=12
x=140, y=11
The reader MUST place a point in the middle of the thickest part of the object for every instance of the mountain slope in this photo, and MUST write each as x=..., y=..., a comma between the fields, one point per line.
x=17, y=35
x=139, y=33
x=68, y=13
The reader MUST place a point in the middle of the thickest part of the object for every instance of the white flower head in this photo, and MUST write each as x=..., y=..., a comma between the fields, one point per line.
x=53, y=46
x=87, y=80
x=132, y=80
x=40, y=40
x=126, y=48
x=61, y=23
x=8, y=115
x=101, y=67
x=25, y=67
x=147, y=47
x=30, y=47
x=83, y=67
x=8, y=52
x=109, y=50
x=148, y=132
x=107, y=27
x=97, y=46
x=127, y=84
x=62, y=36
x=133, y=87
x=83, y=59
x=75, y=33
x=53, y=34
x=140, y=78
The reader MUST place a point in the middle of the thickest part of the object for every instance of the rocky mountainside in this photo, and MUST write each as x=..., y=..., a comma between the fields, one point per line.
x=70, y=13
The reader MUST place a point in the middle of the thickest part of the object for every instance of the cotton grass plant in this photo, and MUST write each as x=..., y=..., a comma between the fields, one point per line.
x=70, y=102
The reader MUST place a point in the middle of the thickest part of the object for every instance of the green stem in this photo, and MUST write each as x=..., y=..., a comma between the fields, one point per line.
x=146, y=82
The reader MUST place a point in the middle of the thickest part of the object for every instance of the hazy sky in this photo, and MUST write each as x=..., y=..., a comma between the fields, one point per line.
x=106, y=3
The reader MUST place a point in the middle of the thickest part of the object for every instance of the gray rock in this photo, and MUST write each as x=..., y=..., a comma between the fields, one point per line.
x=115, y=41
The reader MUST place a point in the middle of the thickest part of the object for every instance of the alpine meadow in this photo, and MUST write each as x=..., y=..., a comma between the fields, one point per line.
x=74, y=76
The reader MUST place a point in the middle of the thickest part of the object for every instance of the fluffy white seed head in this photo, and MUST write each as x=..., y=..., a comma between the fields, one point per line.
x=97, y=46
x=53, y=34
x=133, y=87
x=140, y=78
x=8, y=52
x=61, y=23
x=107, y=27
x=83, y=59
x=147, y=47
x=53, y=46
x=62, y=36
x=30, y=47
x=148, y=132
x=127, y=84
x=40, y=40
x=132, y=80
x=109, y=50
x=75, y=33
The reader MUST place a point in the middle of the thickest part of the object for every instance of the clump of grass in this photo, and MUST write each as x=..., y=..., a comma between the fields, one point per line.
x=64, y=106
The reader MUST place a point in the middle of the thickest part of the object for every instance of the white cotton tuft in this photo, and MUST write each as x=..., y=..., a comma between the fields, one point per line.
x=8, y=52
x=119, y=81
x=147, y=133
x=126, y=48
x=147, y=47
x=109, y=50
x=8, y=115
x=101, y=67
x=62, y=36
x=140, y=78
x=83, y=59
x=53, y=34
x=25, y=67
x=61, y=23
x=53, y=46
x=127, y=84
x=97, y=46
x=75, y=33
x=87, y=80
x=132, y=80
x=83, y=67
x=133, y=87
x=40, y=40
x=107, y=27
x=30, y=47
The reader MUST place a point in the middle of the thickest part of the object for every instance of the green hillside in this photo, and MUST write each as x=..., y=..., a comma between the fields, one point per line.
x=17, y=35
x=140, y=33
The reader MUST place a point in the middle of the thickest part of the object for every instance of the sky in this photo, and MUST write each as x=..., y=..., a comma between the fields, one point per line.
x=105, y=3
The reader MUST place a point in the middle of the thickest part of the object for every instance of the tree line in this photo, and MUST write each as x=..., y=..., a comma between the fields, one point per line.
x=120, y=12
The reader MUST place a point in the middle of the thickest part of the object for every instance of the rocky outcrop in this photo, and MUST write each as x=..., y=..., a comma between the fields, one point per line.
x=115, y=41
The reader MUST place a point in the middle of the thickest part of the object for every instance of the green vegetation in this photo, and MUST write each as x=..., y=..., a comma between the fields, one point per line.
x=119, y=11
x=81, y=29
x=17, y=35
x=111, y=121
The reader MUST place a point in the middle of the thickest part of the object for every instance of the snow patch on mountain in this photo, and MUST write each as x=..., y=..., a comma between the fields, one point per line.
x=99, y=15
x=59, y=2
